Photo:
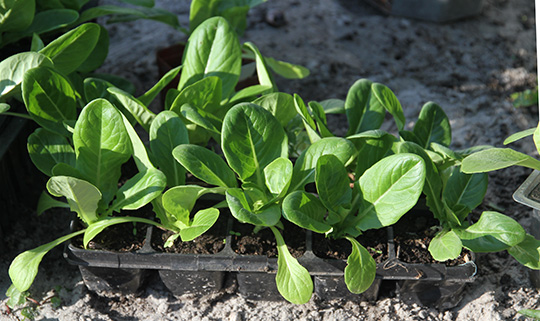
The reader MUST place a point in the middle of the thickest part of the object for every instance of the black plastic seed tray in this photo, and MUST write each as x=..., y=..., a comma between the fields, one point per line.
x=201, y=274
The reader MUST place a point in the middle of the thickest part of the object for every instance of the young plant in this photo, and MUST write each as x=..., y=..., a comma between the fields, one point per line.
x=210, y=72
x=525, y=248
x=234, y=11
x=255, y=147
x=384, y=193
x=28, y=19
x=87, y=174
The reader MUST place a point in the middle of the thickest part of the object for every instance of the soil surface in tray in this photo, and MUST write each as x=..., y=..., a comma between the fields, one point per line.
x=375, y=241
x=244, y=241
x=412, y=235
x=211, y=242
x=125, y=237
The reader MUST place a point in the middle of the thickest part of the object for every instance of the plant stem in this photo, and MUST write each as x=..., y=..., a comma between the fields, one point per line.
x=8, y=113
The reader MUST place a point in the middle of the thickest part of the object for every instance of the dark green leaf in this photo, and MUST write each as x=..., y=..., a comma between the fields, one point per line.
x=47, y=149
x=251, y=139
x=16, y=15
x=71, y=49
x=304, y=168
x=372, y=146
x=333, y=183
x=465, y=190
x=433, y=126
x=306, y=211
x=212, y=50
x=205, y=165
x=98, y=55
x=166, y=132
x=50, y=99
x=527, y=252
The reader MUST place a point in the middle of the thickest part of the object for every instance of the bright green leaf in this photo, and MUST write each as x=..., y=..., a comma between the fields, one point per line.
x=497, y=158
x=390, y=188
x=102, y=145
x=202, y=222
x=139, y=190
x=82, y=197
x=13, y=69
x=242, y=210
x=278, y=176
x=446, y=245
x=292, y=279
x=360, y=269
x=24, y=268
x=527, y=252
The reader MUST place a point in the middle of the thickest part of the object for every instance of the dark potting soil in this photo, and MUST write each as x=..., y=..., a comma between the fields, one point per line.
x=211, y=242
x=125, y=237
x=244, y=241
x=375, y=241
x=412, y=235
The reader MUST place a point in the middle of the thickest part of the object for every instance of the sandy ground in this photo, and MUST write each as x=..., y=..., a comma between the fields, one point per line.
x=469, y=67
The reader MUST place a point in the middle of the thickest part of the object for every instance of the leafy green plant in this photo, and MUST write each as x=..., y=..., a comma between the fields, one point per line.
x=206, y=91
x=85, y=169
x=234, y=11
x=384, y=193
x=30, y=18
x=255, y=147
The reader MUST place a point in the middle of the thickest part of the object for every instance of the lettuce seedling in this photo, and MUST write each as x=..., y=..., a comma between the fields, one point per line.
x=365, y=107
x=384, y=193
x=87, y=173
x=527, y=251
x=255, y=147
